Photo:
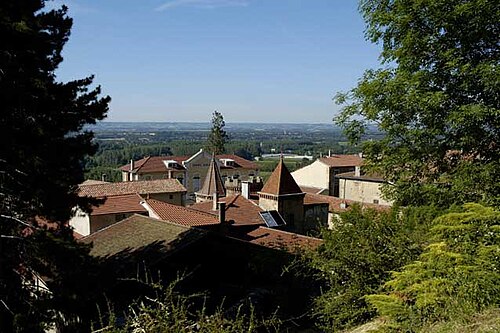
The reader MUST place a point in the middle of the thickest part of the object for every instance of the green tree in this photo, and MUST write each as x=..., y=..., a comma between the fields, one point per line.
x=457, y=275
x=357, y=256
x=42, y=149
x=436, y=100
x=218, y=137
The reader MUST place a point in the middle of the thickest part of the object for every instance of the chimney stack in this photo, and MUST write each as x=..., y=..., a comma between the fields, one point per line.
x=222, y=212
x=357, y=171
x=215, y=198
x=103, y=177
x=329, y=153
x=245, y=189
x=131, y=164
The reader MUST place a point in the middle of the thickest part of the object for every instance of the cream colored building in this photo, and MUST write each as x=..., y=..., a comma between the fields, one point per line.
x=363, y=188
x=321, y=173
x=189, y=170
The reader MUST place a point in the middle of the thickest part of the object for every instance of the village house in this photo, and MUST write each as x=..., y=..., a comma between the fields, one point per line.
x=279, y=204
x=189, y=170
x=320, y=175
x=121, y=200
x=360, y=187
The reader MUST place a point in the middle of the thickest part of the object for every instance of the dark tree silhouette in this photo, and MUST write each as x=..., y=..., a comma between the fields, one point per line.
x=42, y=147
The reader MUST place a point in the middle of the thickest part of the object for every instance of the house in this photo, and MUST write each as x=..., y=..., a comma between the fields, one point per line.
x=280, y=204
x=320, y=175
x=167, y=190
x=189, y=170
x=360, y=187
x=112, y=210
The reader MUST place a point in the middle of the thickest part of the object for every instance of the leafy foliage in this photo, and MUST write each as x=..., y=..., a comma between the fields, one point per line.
x=172, y=312
x=42, y=147
x=437, y=99
x=357, y=256
x=218, y=137
x=457, y=275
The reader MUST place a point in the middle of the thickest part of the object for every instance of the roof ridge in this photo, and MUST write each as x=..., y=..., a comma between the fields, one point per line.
x=145, y=160
x=182, y=207
x=116, y=223
x=290, y=233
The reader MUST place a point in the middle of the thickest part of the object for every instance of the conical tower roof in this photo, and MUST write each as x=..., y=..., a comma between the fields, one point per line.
x=281, y=182
x=213, y=181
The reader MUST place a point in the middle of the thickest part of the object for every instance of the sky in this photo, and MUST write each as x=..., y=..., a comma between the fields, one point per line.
x=278, y=61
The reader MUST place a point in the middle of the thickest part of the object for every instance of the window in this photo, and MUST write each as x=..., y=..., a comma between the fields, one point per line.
x=171, y=196
x=196, y=183
x=375, y=201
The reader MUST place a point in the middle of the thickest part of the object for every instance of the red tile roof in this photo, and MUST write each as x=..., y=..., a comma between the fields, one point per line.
x=141, y=187
x=312, y=190
x=240, y=161
x=283, y=240
x=128, y=203
x=342, y=160
x=369, y=177
x=281, y=182
x=181, y=215
x=239, y=211
x=137, y=232
x=334, y=203
x=152, y=164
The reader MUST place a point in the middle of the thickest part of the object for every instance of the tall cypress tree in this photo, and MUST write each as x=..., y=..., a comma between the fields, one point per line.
x=218, y=137
x=42, y=146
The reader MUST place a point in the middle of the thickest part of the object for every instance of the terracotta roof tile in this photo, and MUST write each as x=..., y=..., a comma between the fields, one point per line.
x=352, y=175
x=152, y=164
x=141, y=187
x=281, y=182
x=137, y=232
x=239, y=211
x=335, y=203
x=240, y=161
x=342, y=160
x=312, y=190
x=128, y=203
x=279, y=239
x=181, y=215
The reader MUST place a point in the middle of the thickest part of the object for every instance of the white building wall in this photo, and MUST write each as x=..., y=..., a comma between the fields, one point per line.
x=362, y=191
x=315, y=174
x=80, y=222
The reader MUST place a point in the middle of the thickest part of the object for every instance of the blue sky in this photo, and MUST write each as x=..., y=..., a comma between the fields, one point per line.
x=252, y=60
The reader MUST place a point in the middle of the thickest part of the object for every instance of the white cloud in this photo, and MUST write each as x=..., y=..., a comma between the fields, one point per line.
x=208, y=4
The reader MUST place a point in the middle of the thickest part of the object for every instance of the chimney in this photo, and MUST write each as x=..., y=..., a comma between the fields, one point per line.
x=245, y=189
x=357, y=171
x=131, y=164
x=215, y=198
x=329, y=153
x=222, y=212
x=103, y=177
x=343, y=205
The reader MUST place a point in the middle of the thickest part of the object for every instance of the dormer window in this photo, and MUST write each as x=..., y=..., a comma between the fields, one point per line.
x=171, y=164
x=227, y=162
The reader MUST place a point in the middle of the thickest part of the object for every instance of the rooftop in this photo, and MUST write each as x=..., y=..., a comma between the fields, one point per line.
x=152, y=164
x=368, y=177
x=279, y=239
x=118, y=204
x=281, y=182
x=181, y=215
x=239, y=210
x=342, y=160
x=141, y=187
x=138, y=232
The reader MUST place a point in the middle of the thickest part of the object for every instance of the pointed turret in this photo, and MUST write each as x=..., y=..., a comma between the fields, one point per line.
x=213, y=183
x=281, y=193
x=281, y=182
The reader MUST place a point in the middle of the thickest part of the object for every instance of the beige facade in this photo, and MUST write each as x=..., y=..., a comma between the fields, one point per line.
x=321, y=173
x=190, y=172
x=316, y=174
x=86, y=224
x=362, y=190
